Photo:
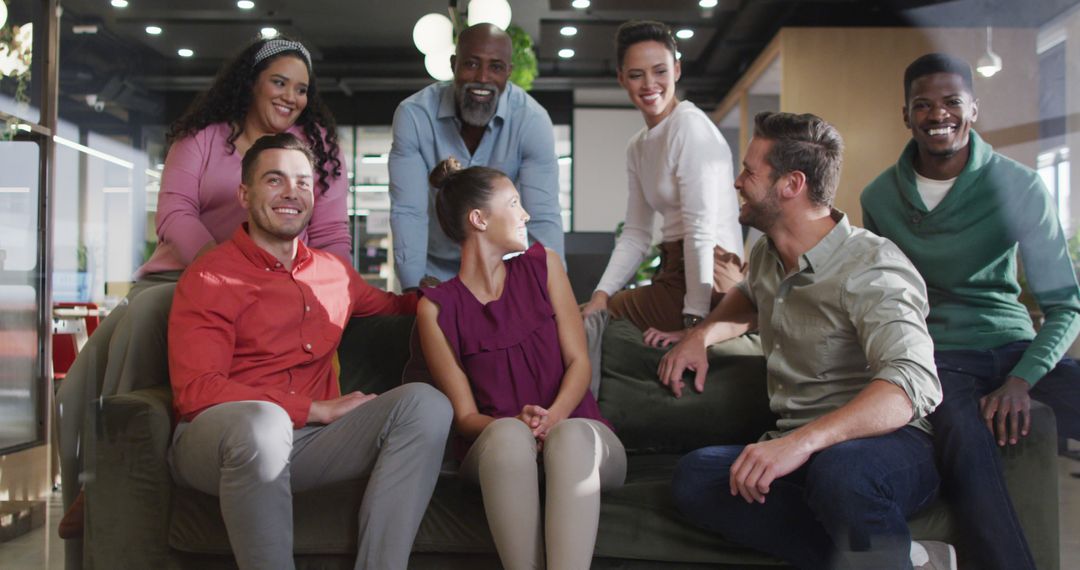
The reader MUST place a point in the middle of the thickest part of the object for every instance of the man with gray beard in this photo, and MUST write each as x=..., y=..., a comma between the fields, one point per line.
x=481, y=120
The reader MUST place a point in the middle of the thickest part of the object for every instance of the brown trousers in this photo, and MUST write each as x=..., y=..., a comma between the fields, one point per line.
x=660, y=304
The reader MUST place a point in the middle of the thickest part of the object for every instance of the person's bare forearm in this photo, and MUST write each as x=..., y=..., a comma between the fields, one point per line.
x=734, y=315
x=880, y=408
x=472, y=425
x=574, y=384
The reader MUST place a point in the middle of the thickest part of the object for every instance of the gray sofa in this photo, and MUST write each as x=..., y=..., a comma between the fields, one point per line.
x=137, y=518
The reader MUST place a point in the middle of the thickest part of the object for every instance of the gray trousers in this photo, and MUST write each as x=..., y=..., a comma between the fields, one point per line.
x=249, y=455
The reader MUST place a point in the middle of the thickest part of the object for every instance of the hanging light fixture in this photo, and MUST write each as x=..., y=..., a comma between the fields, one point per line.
x=437, y=65
x=496, y=12
x=433, y=33
x=990, y=62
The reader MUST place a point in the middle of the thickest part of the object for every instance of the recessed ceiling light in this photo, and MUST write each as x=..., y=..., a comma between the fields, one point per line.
x=268, y=32
x=580, y=4
x=119, y=3
x=678, y=54
x=185, y=52
x=708, y=3
x=245, y=4
x=566, y=53
x=153, y=30
x=684, y=34
x=568, y=31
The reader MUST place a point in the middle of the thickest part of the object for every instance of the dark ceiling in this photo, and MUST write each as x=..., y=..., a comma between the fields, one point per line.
x=366, y=62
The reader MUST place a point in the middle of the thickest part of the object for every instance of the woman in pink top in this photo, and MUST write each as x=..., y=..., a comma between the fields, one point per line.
x=504, y=340
x=268, y=88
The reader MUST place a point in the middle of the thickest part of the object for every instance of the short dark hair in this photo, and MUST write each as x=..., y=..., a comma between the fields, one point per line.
x=284, y=141
x=805, y=143
x=936, y=63
x=638, y=31
x=459, y=192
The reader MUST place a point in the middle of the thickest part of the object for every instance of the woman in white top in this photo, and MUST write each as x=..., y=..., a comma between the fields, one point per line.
x=679, y=166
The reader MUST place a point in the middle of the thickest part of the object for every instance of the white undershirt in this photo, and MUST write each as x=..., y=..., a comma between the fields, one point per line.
x=932, y=191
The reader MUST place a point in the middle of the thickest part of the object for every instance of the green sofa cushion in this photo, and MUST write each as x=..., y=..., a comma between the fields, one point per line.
x=373, y=352
x=734, y=407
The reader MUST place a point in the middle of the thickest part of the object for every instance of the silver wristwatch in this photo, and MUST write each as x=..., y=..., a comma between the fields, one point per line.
x=690, y=321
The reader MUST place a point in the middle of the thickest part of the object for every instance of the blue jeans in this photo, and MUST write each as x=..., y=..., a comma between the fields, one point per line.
x=968, y=456
x=846, y=507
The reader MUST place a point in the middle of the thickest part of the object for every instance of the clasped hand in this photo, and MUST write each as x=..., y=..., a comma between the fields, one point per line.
x=540, y=421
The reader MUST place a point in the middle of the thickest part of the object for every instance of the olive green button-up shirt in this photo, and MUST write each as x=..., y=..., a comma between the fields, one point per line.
x=853, y=311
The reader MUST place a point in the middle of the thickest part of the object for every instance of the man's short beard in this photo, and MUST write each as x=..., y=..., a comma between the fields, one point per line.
x=472, y=113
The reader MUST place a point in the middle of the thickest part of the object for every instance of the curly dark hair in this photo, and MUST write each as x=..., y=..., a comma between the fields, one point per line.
x=229, y=97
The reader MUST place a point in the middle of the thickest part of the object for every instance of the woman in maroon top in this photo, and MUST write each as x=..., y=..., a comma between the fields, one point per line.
x=504, y=340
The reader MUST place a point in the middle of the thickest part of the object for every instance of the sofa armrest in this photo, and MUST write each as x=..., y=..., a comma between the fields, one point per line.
x=129, y=497
x=1031, y=474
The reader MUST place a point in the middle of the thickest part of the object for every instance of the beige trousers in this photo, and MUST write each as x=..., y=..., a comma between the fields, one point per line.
x=581, y=457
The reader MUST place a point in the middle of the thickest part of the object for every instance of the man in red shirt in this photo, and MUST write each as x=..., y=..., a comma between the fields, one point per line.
x=252, y=333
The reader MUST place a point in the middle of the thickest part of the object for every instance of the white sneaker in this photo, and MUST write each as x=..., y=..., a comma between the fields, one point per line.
x=932, y=555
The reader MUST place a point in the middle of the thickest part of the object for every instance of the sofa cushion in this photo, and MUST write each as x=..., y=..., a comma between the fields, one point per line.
x=637, y=522
x=734, y=407
x=373, y=352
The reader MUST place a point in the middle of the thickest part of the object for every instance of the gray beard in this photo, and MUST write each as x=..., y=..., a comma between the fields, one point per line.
x=476, y=114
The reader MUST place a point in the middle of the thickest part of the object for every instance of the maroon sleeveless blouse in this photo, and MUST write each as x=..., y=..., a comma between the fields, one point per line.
x=509, y=348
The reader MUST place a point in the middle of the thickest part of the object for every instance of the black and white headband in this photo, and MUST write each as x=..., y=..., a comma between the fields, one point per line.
x=276, y=46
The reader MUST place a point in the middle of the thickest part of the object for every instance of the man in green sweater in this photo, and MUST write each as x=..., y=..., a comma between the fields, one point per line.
x=961, y=212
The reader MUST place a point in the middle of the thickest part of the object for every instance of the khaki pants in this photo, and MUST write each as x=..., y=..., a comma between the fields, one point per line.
x=660, y=304
x=249, y=455
x=581, y=457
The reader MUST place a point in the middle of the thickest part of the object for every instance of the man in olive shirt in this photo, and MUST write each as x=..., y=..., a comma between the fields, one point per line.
x=962, y=213
x=850, y=373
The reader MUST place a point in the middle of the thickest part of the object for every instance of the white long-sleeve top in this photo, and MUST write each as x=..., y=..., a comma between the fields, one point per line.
x=681, y=168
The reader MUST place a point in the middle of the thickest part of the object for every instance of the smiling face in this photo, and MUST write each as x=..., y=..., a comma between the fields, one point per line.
x=940, y=111
x=278, y=96
x=279, y=196
x=503, y=219
x=481, y=69
x=759, y=193
x=648, y=73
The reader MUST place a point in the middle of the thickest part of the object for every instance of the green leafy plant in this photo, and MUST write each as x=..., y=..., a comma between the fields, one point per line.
x=523, y=58
x=15, y=54
x=649, y=266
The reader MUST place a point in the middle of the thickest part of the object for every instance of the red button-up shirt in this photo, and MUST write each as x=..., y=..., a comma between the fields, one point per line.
x=243, y=327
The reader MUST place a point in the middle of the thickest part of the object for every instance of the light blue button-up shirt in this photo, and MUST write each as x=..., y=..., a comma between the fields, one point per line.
x=519, y=141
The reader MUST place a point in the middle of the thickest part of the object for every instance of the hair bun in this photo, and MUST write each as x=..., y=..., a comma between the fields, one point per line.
x=442, y=171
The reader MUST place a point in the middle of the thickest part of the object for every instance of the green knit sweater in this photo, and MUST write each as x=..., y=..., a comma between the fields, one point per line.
x=966, y=249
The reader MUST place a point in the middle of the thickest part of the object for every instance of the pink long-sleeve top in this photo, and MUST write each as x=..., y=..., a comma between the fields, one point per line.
x=197, y=202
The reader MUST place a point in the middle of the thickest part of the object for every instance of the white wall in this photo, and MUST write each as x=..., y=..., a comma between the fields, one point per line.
x=600, y=137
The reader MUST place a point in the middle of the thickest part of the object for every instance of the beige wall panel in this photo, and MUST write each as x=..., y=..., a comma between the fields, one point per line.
x=853, y=78
x=24, y=475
